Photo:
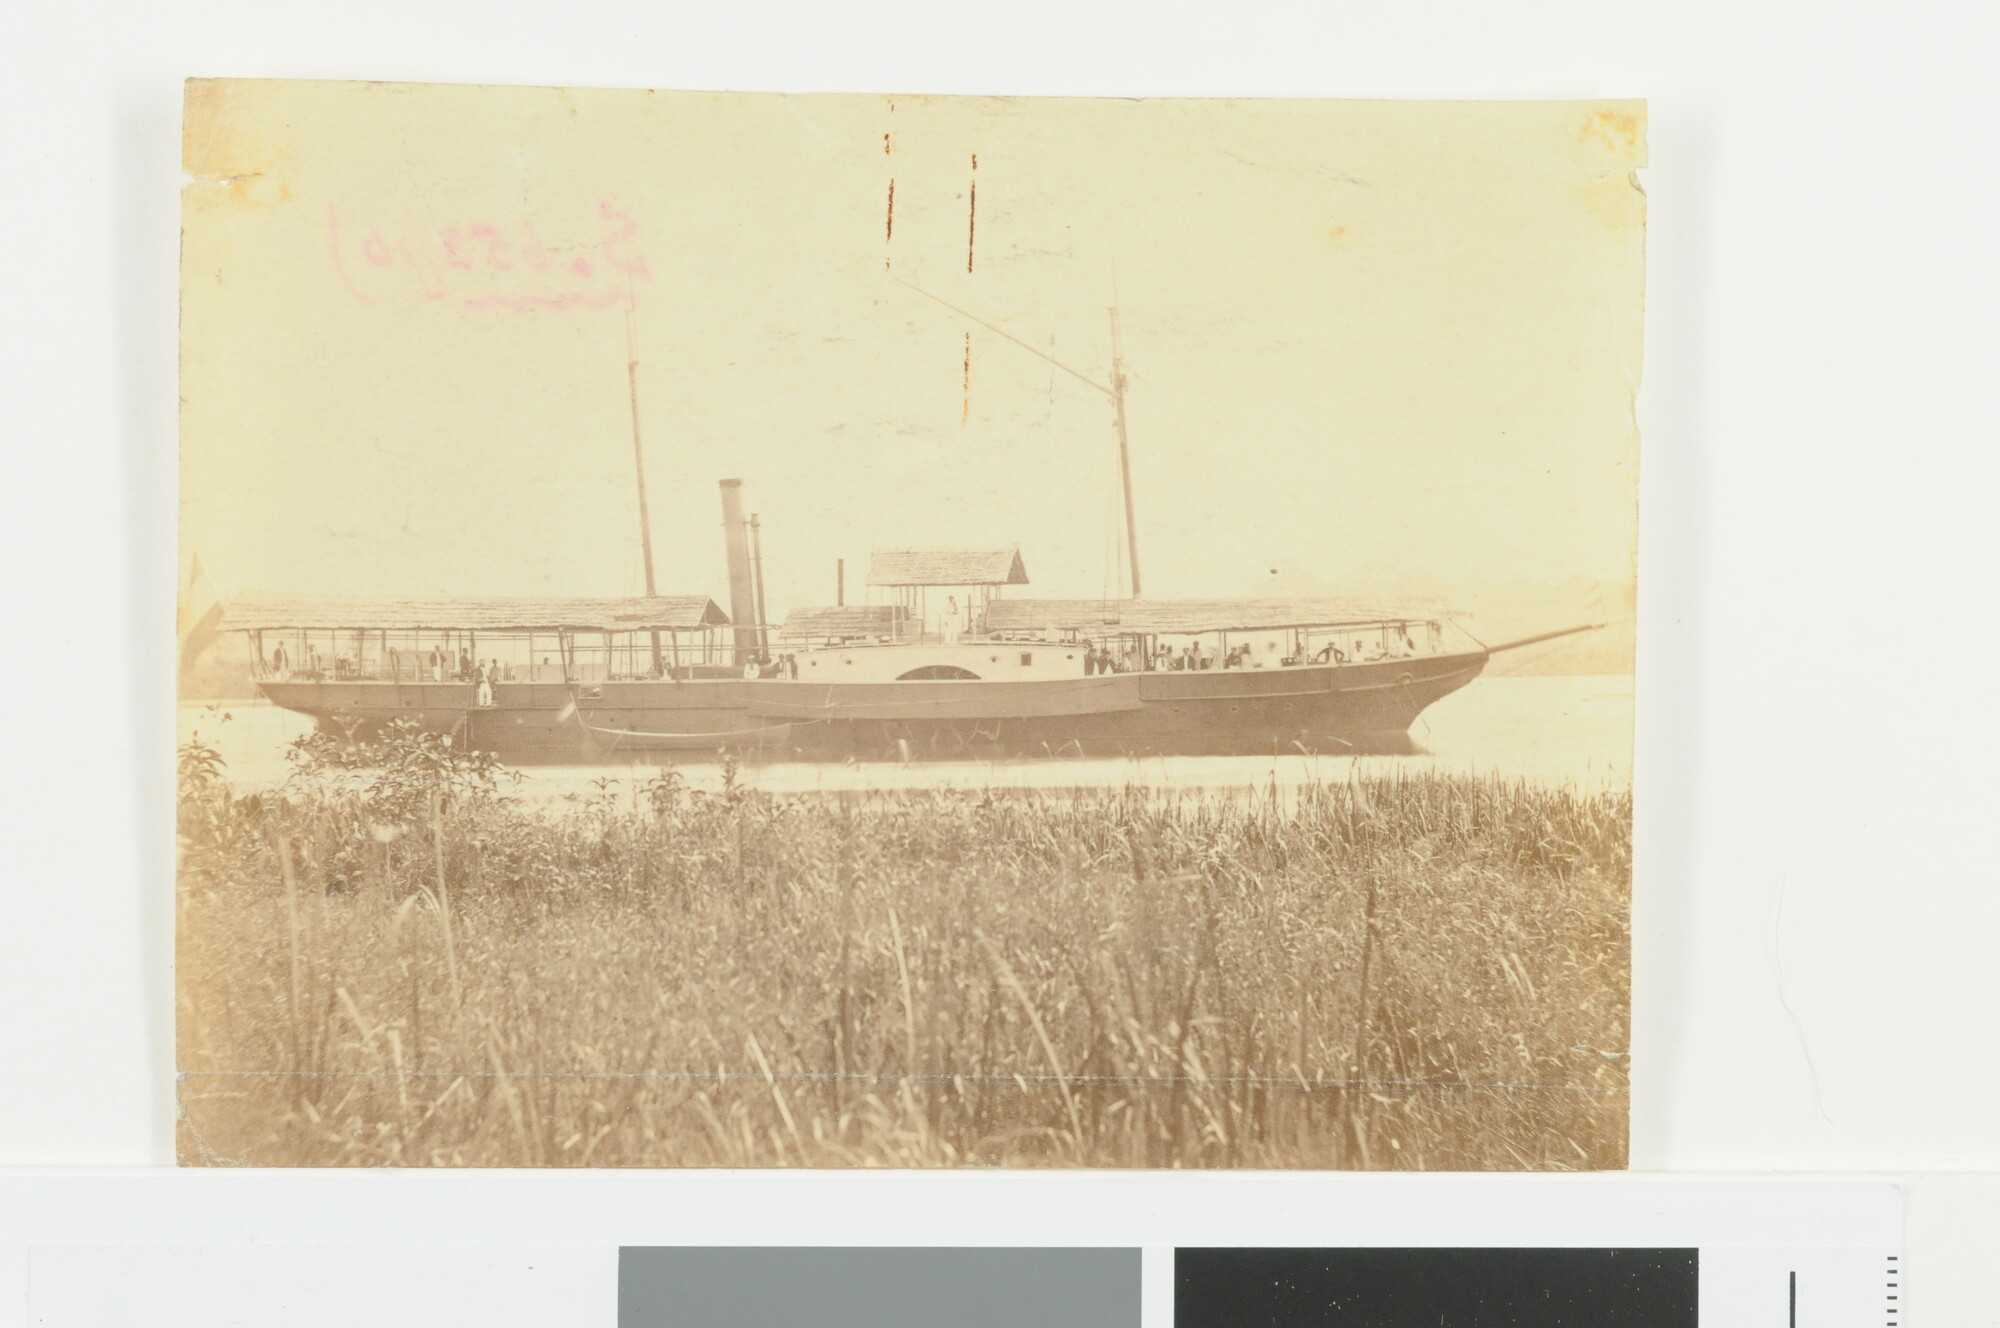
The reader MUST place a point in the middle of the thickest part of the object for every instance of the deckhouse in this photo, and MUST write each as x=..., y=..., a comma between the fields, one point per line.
x=946, y=591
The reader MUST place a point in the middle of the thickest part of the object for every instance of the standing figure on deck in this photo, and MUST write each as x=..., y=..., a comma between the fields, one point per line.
x=485, y=680
x=281, y=665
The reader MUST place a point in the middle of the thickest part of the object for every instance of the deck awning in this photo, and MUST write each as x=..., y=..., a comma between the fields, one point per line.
x=676, y=613
x=1188, y=617
x=947, y=567
x=843, y=622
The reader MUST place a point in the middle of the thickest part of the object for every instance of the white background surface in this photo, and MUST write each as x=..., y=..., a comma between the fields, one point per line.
x=317, y=1286
x=149, y=1258
x=1817, y=907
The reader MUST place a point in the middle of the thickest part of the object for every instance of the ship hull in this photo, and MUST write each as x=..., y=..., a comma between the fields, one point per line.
x=1314, y=709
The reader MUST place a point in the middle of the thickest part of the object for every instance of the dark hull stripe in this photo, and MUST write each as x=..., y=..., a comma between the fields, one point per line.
x=1315, y=709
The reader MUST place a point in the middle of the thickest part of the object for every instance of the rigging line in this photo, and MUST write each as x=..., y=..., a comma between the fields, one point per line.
x=1082, y=378
x=1115, y=534
x=1516, y=665
x=1120, y=534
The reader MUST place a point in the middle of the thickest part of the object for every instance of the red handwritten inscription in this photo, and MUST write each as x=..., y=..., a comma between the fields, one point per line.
x=334, y=250
x=490, y=265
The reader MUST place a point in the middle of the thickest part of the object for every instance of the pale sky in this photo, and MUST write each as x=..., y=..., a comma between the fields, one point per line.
x=1370, y=344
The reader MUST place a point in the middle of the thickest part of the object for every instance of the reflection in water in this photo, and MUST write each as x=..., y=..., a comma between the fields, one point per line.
x=1560, y=730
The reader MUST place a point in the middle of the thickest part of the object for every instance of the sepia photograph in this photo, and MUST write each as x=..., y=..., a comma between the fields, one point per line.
x=745, y=630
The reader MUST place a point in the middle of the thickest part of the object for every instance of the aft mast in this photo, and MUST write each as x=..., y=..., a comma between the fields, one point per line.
x=1114, y=390
x=1124, y=449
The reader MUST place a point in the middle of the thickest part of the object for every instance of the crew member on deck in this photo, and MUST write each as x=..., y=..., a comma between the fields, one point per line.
x=485, y=694
x=281, y=666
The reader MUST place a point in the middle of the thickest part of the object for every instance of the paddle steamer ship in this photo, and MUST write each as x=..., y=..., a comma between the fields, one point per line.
x=674, y=676
x=983, y=674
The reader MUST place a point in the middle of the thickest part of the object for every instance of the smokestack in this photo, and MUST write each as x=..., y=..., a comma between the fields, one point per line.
x=840, y=581
x=742, y=589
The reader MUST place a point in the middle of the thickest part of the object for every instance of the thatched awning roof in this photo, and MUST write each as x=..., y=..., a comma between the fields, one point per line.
x=947, y=567
x=1192, y=616
x=842, y=622
x=254, y=611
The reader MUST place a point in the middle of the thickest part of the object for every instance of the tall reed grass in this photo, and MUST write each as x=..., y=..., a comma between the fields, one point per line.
x=1425, y=971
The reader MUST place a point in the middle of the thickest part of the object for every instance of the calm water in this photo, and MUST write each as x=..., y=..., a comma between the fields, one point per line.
x=1575, y=730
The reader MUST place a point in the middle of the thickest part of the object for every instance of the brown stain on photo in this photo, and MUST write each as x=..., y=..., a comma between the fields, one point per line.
x=230, y=167
x=206, y=138
x=889, y=221
x=1611, y=146
x=972, y=214
x=1616, y=130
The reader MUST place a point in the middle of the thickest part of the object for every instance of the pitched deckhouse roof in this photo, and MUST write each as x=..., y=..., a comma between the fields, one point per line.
x=1189, y=616
x=841, y=622
x=252, y=611
x=947, y=567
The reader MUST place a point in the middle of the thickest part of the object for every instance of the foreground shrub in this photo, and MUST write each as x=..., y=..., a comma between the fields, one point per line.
x=414, y=969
